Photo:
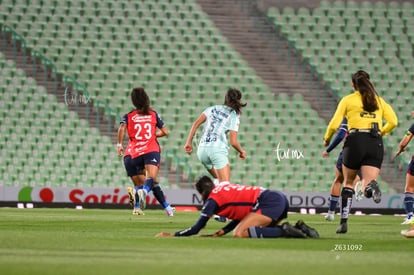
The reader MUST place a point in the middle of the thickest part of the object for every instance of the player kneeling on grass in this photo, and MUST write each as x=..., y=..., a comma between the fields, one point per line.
x=255, y=212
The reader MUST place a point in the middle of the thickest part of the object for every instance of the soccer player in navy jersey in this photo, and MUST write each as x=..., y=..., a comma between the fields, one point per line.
x=143, y=151
x=256, y=212
x=339, y=176
x=409, y=179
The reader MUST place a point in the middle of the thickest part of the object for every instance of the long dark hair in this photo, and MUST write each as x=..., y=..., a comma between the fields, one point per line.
x=140, y=100
x=361, y=82
x=232, y=99
x=204, y=186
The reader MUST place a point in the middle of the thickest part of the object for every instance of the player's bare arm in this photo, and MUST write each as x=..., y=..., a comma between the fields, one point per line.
x=162, y=132
x=121, y=132
x=188, y=146
x=236, y=145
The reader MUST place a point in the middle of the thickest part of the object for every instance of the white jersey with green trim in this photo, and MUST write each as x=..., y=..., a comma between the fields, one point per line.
x=220, y=120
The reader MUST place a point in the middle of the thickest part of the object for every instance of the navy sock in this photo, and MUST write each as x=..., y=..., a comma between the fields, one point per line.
x=265, y=232
x=408, y=203
x=159, y=195
x=148, y=184
x=346, y=202
x=333, y=201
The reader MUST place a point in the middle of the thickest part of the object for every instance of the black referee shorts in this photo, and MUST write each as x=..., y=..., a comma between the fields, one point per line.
x=363, y=149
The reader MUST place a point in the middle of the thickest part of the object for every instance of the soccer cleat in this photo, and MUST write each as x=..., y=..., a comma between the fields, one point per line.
x=137, y=211
x=376, y=192
x=131, y=193
x=220, y=218
x=142, y=196
x=372, y=190
x=309, y=231
x=359, y=194
x=408, y=220
x=330, y=217
x=170, y=211
x=291, y=232
x=342, y=229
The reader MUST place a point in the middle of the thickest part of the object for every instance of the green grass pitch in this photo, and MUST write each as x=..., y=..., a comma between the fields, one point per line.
x=91, y=241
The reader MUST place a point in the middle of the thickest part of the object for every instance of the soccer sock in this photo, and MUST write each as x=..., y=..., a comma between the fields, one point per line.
x=346, y=203
x=333, y=201
x=265, y=232
x=408, y=203
x=159, y=195
x=138, y=187
x=148, y=184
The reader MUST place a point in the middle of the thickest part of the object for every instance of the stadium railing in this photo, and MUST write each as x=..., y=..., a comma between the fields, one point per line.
x=49, y=65
x=171, y=159
x=43, y=60
x=268, y=27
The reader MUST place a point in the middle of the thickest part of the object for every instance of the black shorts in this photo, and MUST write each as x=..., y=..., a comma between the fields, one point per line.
x=363, y=149
x=339, y=164
x=134, y=166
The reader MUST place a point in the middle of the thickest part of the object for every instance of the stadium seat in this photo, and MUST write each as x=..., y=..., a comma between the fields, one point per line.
x=199, y=48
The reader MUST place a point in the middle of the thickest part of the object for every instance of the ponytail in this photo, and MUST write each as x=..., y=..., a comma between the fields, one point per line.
x=232, y=99
x=361, y=82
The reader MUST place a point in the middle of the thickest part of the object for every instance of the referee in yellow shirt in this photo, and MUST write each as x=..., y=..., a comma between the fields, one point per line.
x=363, y=147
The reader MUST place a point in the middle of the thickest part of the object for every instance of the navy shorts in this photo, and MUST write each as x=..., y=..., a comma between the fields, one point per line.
x=272, y=204
x=339, y=165
x=411, y=167
x=134, y=166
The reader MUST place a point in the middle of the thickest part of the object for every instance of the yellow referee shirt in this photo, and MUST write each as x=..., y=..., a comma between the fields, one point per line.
x=351, y=107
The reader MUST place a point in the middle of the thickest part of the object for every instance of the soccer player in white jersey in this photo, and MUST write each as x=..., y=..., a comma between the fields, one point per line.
x=213, y=147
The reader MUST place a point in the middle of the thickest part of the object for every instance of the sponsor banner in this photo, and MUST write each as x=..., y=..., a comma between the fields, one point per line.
x=175, y=197
x=91, y=195
x=318, y=199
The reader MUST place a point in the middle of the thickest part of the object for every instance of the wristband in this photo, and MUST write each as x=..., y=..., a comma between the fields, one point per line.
x=119, y=145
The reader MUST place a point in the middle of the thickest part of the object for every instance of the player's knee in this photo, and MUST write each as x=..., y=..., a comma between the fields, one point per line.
x=236, y=234
x=240, y=234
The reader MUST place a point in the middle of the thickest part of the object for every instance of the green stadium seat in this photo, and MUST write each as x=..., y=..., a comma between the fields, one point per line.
x=202, y=46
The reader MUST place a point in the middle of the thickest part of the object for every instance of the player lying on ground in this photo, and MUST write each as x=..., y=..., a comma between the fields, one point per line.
x=255, y=212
